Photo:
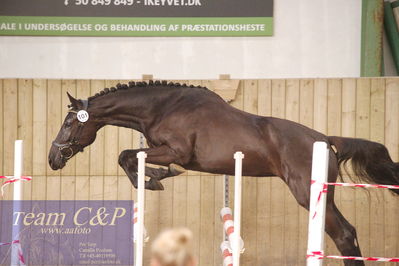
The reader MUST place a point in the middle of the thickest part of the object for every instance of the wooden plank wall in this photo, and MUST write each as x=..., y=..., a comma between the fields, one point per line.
x=274, y=226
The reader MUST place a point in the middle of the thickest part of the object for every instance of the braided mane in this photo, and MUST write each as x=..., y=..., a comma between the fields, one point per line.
x=133, y=84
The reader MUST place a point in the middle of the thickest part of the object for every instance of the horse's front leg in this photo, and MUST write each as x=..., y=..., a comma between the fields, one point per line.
x=162, y=155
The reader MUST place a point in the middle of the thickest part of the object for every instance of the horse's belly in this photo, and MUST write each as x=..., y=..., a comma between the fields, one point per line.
x=252, y=166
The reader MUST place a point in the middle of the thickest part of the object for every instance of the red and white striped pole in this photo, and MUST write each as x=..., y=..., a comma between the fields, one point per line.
x=228, y=226
x=317, y=202
x=135, y=217
x=226, y=253
x=320, y=255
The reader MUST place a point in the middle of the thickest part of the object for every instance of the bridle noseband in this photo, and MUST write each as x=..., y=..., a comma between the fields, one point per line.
x=65, y=149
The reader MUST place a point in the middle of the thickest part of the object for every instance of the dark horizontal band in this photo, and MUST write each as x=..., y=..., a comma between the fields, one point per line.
x=138, y=8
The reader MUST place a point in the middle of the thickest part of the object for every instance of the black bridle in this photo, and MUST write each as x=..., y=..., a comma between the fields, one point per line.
x=65, y=149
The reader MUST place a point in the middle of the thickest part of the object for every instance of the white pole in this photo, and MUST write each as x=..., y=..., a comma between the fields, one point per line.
x=18, y=164
x=317, y=208
x=140, y=199
x=238, y=156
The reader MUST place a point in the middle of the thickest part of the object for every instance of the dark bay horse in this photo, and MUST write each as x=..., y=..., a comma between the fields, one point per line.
x=189, y=127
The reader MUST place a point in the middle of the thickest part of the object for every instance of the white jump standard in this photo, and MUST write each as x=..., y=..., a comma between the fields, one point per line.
x=317, y=209
x=232, y=248
x=17, y=257
x=317, y=201
x=140, y=209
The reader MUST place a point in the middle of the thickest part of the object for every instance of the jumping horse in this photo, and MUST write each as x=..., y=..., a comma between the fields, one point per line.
x=193, y=128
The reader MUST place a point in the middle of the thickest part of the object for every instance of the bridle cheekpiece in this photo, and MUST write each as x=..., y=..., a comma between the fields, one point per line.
x=65, y=149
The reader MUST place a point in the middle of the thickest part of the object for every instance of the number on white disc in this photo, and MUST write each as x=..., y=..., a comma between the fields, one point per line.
x=83, y=116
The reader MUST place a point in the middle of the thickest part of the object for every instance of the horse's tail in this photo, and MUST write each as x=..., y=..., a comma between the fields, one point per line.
x=370, y=161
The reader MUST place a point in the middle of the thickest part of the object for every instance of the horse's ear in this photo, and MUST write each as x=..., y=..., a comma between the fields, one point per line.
x=76, y=104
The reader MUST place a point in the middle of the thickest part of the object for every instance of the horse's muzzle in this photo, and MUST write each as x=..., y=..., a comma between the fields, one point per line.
x=55, y=159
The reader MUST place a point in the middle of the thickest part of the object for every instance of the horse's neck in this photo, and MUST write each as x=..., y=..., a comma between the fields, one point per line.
x=133, y=113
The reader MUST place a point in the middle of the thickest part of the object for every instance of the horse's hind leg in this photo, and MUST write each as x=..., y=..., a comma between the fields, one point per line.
x=337, y=227
x=343, y=234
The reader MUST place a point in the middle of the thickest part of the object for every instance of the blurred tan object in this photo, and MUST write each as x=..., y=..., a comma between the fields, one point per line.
x=173, y=248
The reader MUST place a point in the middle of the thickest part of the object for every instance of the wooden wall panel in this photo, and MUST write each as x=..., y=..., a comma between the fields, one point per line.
x=320, y=106
x=39, y=144
x=207, y=220
x=193, y=211
x=274, y=226
x=10, y=127
x=10, y=123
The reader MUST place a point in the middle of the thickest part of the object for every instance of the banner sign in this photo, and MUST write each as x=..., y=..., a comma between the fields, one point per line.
x=67, y=232
x=136, y=17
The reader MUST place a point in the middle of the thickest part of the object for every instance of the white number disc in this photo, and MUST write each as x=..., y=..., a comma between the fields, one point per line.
x=83, y=116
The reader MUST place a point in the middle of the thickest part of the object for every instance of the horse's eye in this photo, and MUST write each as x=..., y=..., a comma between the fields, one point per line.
x=67, y=124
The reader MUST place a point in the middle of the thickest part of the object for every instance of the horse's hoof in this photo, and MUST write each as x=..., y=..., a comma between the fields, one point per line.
x=153, y=184
x=176, y=169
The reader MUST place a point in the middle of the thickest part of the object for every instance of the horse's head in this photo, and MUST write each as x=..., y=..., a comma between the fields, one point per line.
x=78, y=131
